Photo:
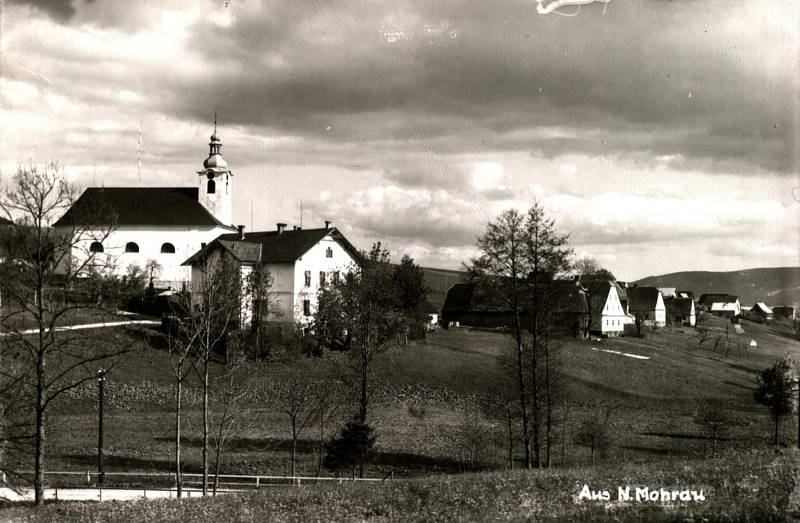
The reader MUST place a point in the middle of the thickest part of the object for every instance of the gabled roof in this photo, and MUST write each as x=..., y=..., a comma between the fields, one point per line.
x=762, y=308
x=598, y=295
x=139, y=206
x=274, y=246
x=567, y=297
x=710, y=299
x=642, y=299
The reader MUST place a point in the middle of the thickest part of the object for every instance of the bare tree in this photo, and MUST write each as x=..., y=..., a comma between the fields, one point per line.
x=713, y=417
x=213, y=310
x=295, y=397
x=594, y=430
x=233, y=398
x=44, y=275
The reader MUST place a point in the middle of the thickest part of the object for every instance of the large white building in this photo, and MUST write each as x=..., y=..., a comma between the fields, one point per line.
x=608, y=311
x=134, y=225
x=300, y=261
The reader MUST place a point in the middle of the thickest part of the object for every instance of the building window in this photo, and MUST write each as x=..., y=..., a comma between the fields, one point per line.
x=321, y=278
x=96, y=247
x=211, y=187
x=203, y=245
x=335, y=276
x=329, y=253
x=131, y=247
x=306, y=307
x=167, y=248
x=308, y=278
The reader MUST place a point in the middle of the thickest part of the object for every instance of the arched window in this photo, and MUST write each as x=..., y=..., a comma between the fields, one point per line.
x=167, y=248
x=96, y=247
x=131, y=247
x=211, y=187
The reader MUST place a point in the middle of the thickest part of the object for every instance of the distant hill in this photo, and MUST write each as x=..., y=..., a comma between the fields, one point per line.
x=773, y=286
x=440, y=281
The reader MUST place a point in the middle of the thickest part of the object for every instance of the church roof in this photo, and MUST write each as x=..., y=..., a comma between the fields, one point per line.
x=275, y=247
x=139, y=206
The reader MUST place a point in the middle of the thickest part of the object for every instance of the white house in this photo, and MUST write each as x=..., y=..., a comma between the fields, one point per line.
x=608, y=314
x=166, y=224
x=300, y=262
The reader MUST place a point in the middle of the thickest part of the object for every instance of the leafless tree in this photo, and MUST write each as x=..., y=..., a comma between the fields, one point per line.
x=44, y=281
x=294, y=396
x=234, y=396
x=211, y=311
x=594, y=430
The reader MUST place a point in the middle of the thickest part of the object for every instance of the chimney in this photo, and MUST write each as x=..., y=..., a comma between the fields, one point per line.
x=241, y=231
x=281, y=227
x=327, y=224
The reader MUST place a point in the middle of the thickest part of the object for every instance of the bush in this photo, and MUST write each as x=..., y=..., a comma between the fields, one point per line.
x=350, y=448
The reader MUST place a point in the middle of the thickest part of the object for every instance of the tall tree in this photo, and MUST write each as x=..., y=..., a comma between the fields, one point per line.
x=412, y=291
x=45, y=285
x=774, y=391
x=500, y=272
x=548, y=256
x=364, y=305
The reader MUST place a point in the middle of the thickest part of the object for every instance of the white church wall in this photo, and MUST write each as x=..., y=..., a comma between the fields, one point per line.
x=150, y=239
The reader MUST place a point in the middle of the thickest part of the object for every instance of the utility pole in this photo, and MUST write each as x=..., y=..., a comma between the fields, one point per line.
x=101, y=380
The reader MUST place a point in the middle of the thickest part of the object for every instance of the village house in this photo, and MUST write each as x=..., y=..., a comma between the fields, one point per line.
x=648, y=304
x=608, y=311
x=681, y=311
x=720, y=304
x=783, y=311
x=300, y=262
x=469, y=305
x=759, y=312
x=131, y=226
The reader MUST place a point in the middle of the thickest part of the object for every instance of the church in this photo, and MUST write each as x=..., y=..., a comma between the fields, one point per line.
x=162, y=224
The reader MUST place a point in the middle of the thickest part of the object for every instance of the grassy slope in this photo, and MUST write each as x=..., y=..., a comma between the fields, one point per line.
x=417, y=405
x=774, y=286
x=737, y=487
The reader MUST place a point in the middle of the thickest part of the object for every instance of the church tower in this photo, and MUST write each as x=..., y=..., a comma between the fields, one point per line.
x=216, y=182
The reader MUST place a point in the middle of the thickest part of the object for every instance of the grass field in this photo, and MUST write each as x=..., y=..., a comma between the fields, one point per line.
x=418, y=407
x=418, y=400
x=750, y=486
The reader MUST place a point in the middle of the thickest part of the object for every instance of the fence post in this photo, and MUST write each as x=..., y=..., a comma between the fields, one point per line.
x=88, y=478
x=4, y=478
x=258, y=479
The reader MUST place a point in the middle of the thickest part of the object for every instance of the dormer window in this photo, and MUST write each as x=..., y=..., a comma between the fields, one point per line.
x=131, y=247
x=211, y=187
x=167, y=248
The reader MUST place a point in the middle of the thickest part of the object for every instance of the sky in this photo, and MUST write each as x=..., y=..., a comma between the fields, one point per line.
x=662, y=135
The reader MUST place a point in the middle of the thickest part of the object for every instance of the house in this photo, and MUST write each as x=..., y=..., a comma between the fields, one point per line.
x=124, y=226
x=684, y=294
x=759, y=312
x=648, y=304
x=469, y=304
x=681, y=311
x=608, y=313
x=667, y=292
x=721, y=304
x=300, y=262
x=783, y=311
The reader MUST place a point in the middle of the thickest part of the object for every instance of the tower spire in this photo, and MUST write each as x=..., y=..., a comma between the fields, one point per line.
x=215, y=121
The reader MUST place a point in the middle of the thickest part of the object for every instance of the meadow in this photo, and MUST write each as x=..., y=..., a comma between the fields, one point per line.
x=429, y=428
